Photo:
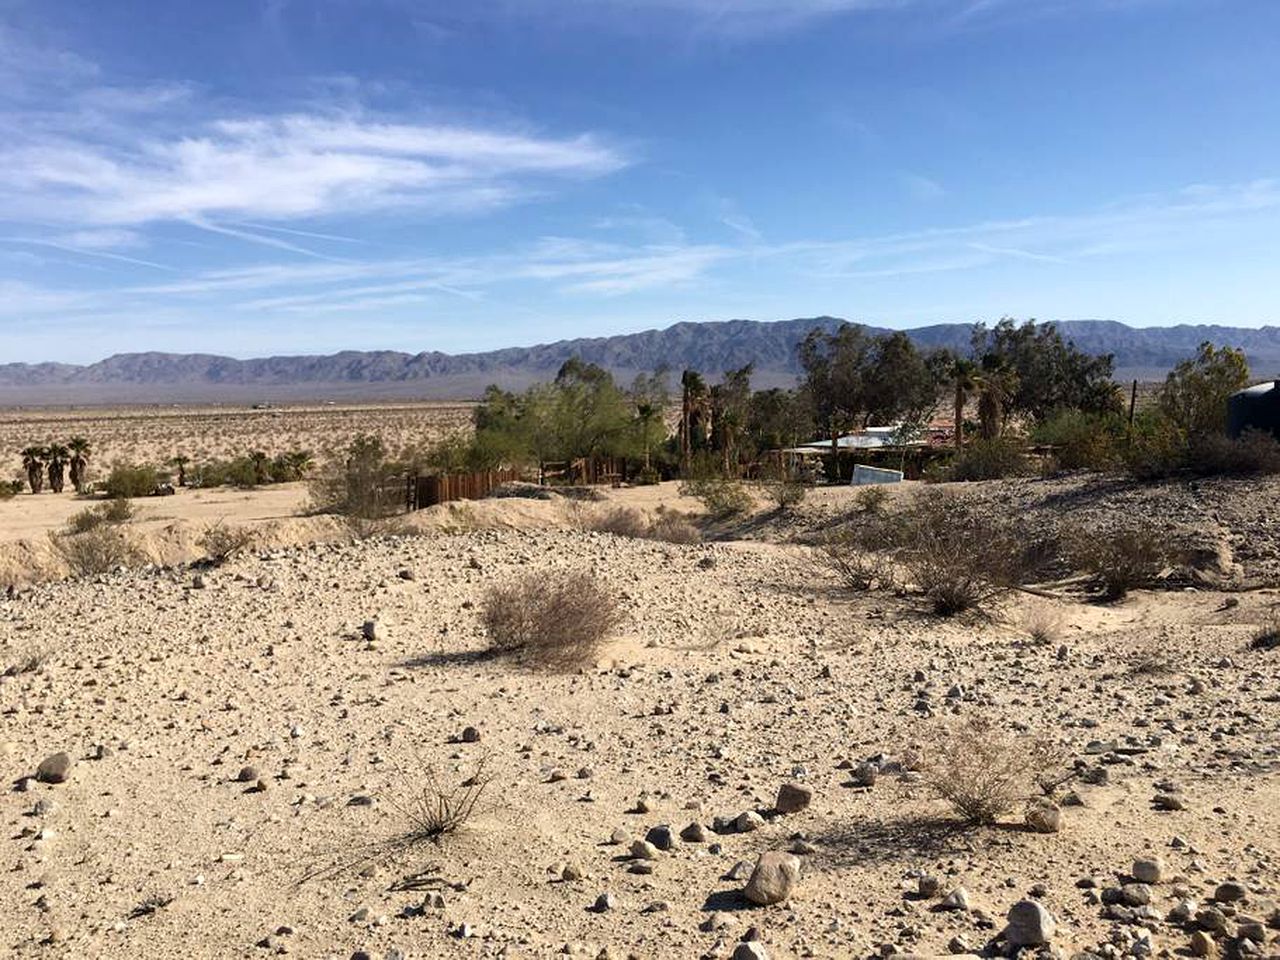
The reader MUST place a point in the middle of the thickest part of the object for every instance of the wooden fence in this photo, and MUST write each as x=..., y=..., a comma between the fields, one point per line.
x=421, y=492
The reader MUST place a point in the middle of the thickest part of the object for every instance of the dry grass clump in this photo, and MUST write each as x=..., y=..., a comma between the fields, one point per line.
x=984, y=772
x=1151, y=661
x=673, y=527
x=554, y=621
x=871, y=499
x=1043, y=625
x=221, y=542
x=622, y=522
x=97, y=551
x=1120, y=562
x=438, y=809
x=32, y=661
x=1267, y=637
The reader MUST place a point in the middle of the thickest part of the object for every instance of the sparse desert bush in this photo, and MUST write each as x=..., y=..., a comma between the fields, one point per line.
x=131, y=480
x=724, y=499
x=221, y=542
x=113, y=512
x=10, y=488
x=871, y=499
x=1082, y=440
x=622, y=522
x=550, y=620
x=1266, y=637
x=988, y=460
x=1118, y=562
x=984, y=771
x=1156, y=448
x=673, y=527
x=1043, y=625
x=1254, y=453
x=959, y=559
x=437, y=810
x=96, y=551
x=30, y=661
x=1151, y=661
x=647, y=477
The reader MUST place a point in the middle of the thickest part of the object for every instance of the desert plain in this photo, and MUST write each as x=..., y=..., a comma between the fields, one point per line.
x=245, y=743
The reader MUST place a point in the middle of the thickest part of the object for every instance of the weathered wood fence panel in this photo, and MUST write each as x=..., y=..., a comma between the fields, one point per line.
x=422, y=492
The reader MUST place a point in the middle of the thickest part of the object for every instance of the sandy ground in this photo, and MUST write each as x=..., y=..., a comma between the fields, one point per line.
x=740, y=665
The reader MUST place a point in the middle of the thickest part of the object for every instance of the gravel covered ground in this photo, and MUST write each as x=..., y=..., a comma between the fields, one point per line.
x=740, y=666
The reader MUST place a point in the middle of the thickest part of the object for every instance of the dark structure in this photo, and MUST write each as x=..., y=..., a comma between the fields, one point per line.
x=1256, y=408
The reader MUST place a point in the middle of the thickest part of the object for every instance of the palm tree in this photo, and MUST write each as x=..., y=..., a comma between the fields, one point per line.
x=965, y=379
x=79, y=447
x=58, y=456
x=179, y=463
x=33, y=458
x=693, y=401
x=996, y=384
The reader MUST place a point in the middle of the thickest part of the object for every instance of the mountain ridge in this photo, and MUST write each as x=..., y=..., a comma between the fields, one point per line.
x=711, y=348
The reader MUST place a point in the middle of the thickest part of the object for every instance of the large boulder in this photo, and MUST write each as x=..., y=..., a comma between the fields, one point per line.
x=774, y=878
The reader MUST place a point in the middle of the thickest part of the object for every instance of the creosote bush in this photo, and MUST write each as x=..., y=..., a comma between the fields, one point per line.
x=556, y=621
x=988, y=460
x=984, y=771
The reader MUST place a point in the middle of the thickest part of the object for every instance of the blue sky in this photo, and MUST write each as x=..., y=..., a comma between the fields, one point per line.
x=299, y=176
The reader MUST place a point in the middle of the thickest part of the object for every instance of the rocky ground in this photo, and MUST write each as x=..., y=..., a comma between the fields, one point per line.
x=243, y=759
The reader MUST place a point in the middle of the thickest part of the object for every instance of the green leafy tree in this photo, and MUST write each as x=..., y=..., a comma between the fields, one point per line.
x=730, y=414
x=1194, y=395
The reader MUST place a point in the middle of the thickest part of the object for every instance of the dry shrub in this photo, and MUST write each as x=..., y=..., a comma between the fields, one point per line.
x=1267, y=637
x=32, y=661
x=1118, y=562
x=871, y=499
x=673, y=527
x=115, y=511
x=724, y=499
x=1043, y=625
x=956, y=557
x=438, y=809
x=553, y=621
x=667, y=525
x=97, y=551
x=622, y=522
x=220, y=542
x=1151, y=661
x=984, y=772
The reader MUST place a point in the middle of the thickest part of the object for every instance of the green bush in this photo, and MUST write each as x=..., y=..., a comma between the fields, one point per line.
x=1118, y=562
x=647, y=477
x=988, y=460
x=113, y=512
x=97, y=551
x=1082, y=441
x=722, y=498
x=131, y=480
x=363, y=485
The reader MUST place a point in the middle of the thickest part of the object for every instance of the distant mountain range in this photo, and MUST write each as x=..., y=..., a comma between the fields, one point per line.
x=1142, y=353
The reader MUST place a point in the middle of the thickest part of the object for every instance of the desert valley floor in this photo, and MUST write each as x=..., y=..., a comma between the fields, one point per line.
x=245, y=755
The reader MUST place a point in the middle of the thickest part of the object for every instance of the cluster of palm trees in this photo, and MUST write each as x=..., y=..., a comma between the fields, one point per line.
x=55, y=460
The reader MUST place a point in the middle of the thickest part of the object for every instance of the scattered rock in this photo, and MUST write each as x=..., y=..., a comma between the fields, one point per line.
x=793, y=797
x=55, y=768
x=774, y=878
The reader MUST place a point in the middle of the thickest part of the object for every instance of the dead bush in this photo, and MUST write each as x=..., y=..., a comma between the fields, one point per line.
x=984, y=771
x=554, y=621
x=673, y=527
x=437, y=809
x=1151, y=661
x=622, y=522
x=220, y=542
x=97, y=551
x=1118, y=562
x=858, y=567
x=1043, y=625
x=1266, y=637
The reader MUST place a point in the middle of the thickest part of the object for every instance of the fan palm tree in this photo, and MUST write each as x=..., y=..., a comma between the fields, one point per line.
x=179, y=463
x=33, y=459
x=80, y=451
x=58, y=456
x=261, y=466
